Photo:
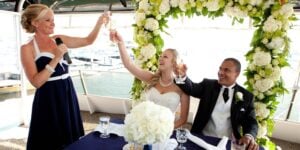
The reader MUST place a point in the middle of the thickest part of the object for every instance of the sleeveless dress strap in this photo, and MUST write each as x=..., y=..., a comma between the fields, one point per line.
x=36, y=47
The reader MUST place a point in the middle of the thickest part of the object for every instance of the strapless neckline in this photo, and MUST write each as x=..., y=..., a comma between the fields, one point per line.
x=170, y=92
x=170, y=99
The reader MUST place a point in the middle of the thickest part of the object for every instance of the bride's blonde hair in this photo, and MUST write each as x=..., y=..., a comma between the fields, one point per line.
x=157, y=74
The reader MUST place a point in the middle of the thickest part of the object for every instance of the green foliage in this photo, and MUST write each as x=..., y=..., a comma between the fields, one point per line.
x=269, y=42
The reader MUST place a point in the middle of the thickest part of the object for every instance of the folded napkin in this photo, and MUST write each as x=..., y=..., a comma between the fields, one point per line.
x=169, y=144
x=113, y=128
x=205, y=145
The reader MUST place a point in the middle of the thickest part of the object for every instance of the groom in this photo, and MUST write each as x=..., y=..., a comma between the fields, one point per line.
x=225, y=108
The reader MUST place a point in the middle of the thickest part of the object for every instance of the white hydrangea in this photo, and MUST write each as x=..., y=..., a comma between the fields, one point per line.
x=263, y=85
x=148, y=51
x=151, y=24
x=174, y=3
x=276, y=43
x=148, y=123
x=262, y=58
x=272, y=25
x=164, y=7
x=144, y=5
x=182, y=4
x=212, y=5
x=261, y=109
x=139, y=18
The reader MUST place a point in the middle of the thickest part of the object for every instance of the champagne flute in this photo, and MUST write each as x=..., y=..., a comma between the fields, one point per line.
x=104, y=124
x=181, y=136
x=180, y=67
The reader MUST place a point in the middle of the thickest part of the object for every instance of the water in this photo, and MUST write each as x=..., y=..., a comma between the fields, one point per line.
x=202, y=52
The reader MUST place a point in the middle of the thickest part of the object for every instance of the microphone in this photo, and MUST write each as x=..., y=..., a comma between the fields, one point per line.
x=58, y=41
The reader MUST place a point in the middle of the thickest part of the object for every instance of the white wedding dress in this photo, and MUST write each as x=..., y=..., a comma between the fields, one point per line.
x=170, y=99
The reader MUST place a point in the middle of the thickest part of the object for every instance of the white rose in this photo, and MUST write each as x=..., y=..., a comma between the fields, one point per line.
x=235, y=11
x=255, y=2
x=212, y=5
x=261, y=109
x=164, y=7
x=182, y=5
x=151, y=24
x=275, y=62
x=286, y=10
x=174, y=3
x=148, y=51
x=144, y=5
x=262, y=130
x=139, y=18
x=276, y=43
x=271, y=25
x=148, y=123
x=193, y=3
x=276, y=73
x=251, y=67
x=262, y=58
x=263, y=84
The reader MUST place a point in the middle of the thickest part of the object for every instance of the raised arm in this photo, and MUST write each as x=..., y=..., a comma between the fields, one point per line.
x=138, y=72
x=184, y=110
x=75, y=42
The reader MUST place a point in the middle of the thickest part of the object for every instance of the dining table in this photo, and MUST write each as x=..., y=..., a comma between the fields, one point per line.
x=93, y=141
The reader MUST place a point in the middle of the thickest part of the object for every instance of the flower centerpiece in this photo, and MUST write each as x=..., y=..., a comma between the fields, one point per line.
x=148, y=123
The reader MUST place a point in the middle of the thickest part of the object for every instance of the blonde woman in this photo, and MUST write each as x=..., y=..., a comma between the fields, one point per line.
x=55, y=120
x=162, y=89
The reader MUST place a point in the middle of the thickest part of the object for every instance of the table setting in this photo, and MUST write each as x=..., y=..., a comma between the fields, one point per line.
x=151, y=126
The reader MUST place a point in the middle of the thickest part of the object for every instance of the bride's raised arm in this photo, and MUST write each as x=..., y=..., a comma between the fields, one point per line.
x=138, y=72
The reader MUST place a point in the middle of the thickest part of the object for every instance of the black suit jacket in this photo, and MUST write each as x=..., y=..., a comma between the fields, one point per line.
x=243, y=119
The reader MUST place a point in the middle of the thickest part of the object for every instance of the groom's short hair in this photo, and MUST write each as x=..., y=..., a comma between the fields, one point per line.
x=236, y=63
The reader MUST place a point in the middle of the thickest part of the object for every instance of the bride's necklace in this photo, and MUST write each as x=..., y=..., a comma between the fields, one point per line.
x=165, y=85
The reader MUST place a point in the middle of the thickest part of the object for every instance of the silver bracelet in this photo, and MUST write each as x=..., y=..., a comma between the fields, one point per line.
x=49, y=69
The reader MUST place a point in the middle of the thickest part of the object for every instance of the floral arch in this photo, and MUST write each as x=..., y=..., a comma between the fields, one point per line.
x=267, y=55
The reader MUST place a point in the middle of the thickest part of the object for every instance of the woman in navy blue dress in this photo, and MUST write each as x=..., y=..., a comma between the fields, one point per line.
x=55, y=119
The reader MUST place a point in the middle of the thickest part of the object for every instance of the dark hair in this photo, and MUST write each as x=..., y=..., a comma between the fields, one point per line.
x=236, y=63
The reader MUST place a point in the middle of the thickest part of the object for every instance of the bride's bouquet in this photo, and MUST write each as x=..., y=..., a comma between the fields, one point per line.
x=148, y=123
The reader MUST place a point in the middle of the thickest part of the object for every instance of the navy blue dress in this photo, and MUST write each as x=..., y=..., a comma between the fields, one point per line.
x=55, y=119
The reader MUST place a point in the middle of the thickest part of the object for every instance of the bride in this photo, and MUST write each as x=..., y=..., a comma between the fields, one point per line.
x=161, y=89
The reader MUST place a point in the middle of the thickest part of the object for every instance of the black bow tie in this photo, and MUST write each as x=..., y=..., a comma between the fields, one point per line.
x=225, y=94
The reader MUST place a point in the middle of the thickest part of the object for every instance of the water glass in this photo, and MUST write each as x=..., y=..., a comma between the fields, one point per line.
x=104, y=124
x=181, y=136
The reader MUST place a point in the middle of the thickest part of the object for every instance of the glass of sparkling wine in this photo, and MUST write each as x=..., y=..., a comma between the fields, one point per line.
x=179, y=78
x=181, y=136
x=104, y=124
